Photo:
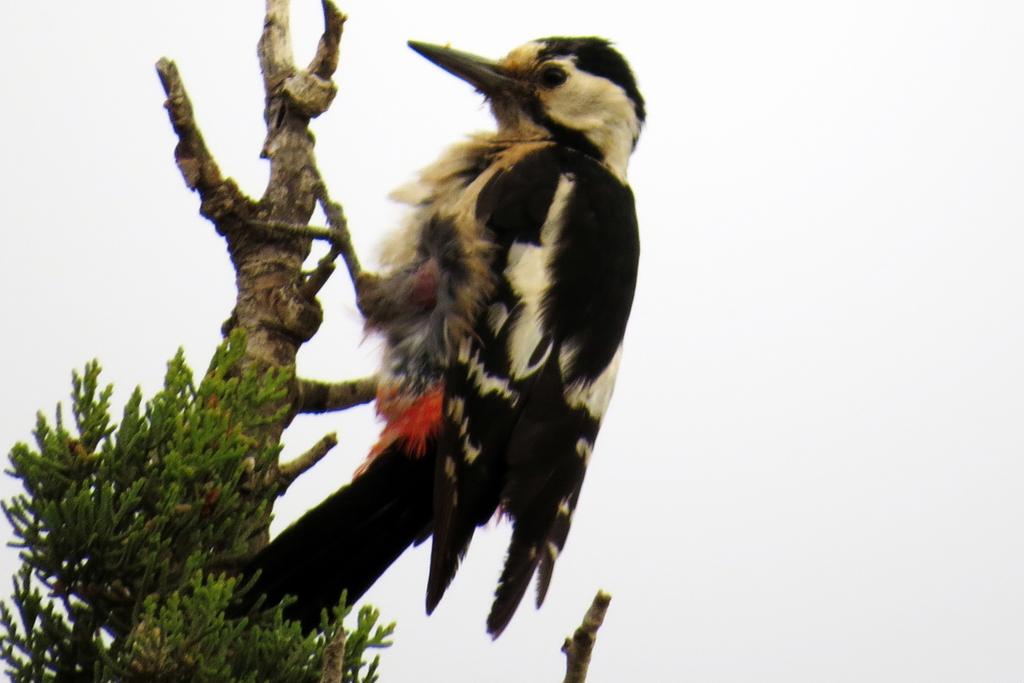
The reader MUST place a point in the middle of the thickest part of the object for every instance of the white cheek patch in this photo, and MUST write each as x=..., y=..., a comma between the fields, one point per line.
x=577, y=102
x=529, y=273
x=599, y=109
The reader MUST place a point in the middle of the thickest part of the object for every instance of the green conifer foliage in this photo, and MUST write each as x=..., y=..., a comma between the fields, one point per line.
x=128, y=533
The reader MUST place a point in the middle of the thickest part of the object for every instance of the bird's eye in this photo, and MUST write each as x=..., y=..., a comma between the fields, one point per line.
x=553, y=76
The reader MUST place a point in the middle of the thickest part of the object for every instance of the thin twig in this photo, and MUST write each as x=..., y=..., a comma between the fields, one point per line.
x=579, y=648
x=343, y=239
x=313, y=232
x=341, y=245
x=289, y=471
x=326, y=397
x=334, y=658
x=325, y=267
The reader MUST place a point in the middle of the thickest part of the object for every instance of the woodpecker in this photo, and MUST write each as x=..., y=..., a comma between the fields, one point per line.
x=502, y=305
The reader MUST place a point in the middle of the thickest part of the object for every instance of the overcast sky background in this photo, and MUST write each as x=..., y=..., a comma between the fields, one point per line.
x=812, y=468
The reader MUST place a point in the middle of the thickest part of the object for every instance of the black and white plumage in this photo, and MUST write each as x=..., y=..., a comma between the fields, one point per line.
x=503, y=306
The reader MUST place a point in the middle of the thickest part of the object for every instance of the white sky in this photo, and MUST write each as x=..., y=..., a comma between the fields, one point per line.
x=812, y=469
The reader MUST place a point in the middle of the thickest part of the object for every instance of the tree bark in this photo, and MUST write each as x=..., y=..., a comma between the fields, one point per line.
x=580, y=647
x=269, y=239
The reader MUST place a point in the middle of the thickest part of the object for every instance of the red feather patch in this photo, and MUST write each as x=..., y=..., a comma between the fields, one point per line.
x=411, y=421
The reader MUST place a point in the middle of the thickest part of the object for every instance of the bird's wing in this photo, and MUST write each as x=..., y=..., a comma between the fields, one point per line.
x=482, y=398
x=525, y=396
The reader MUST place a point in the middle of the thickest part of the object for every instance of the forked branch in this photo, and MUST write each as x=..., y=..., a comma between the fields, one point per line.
x=269, y=239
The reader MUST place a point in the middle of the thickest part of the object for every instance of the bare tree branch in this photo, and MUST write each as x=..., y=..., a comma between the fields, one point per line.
x=197, y=165
x=336, y=233
x=325, y=61
x=268, y=240
x=325, y=397
x=342, y=238
x=285, y=229
x=222, y=202
x=334, y=658
x=312, y=90
x=579, y=648
x=316, y=279
x=289, y=471
x=275, y=46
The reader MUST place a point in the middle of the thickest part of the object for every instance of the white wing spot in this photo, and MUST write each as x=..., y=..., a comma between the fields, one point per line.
x=469, y=452
x=567, y=356
x=594, y=396
x=584, y=449
x=456, y=408
x=485, y=382
x=528, y=271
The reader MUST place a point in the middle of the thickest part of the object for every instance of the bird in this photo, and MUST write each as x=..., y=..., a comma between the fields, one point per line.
x=502, y=304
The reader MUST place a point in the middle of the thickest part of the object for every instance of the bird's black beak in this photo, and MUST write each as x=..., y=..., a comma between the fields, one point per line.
x=484, y=74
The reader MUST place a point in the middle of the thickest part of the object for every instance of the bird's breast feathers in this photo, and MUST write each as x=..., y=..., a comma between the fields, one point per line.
x=534, y=241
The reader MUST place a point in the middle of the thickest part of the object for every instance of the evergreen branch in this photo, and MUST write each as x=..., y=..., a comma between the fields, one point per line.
x=326, y=397
x=289, y=471
x=579, y=648
x=334, y=659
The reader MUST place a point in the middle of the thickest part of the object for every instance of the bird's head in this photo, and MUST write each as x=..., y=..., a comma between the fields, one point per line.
x=577, y=91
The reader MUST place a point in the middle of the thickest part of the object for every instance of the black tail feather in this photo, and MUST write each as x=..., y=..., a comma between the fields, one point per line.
x=346, y=542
